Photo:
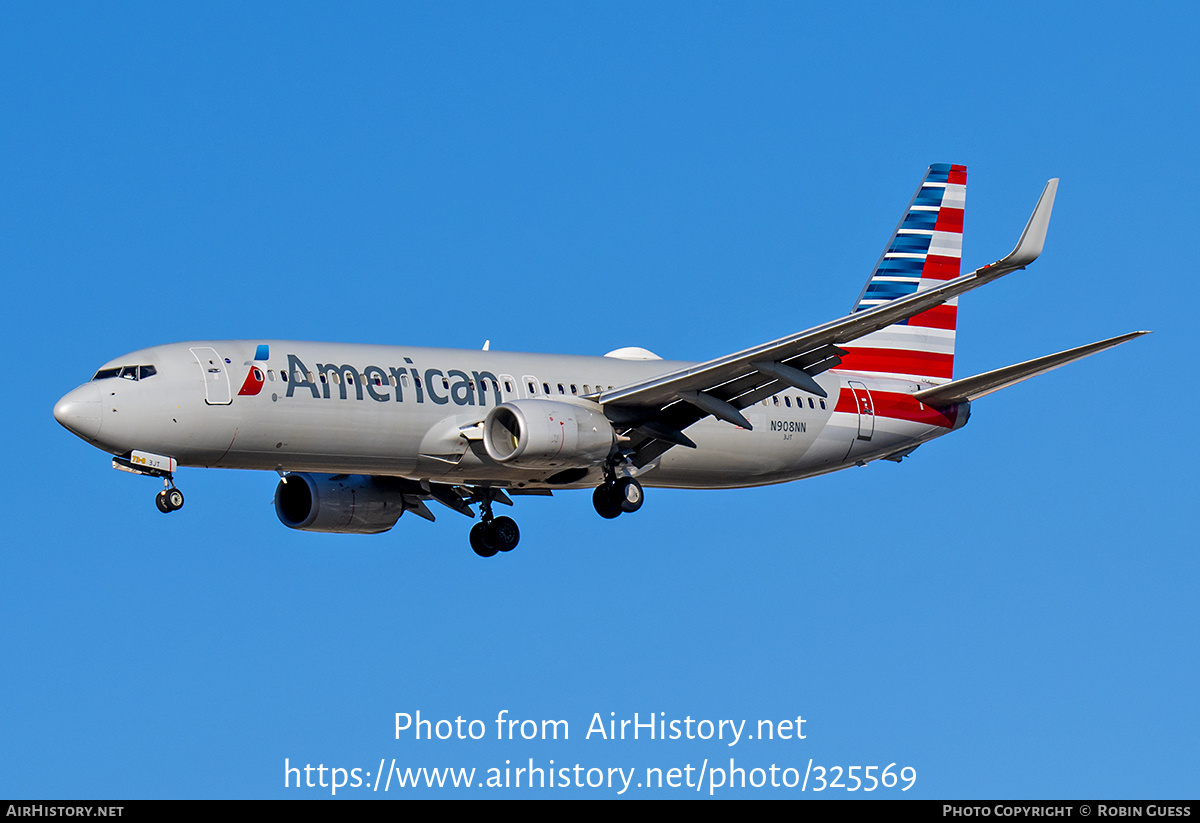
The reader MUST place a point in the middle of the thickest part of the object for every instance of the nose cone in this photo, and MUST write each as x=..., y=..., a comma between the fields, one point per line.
x=79, y=411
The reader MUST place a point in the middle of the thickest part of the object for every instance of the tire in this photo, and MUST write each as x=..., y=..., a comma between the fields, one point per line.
x=504, y=533
x=606, y=503
x=481, y=542
x=160, y=500
x=174, y=499
x=628, y=492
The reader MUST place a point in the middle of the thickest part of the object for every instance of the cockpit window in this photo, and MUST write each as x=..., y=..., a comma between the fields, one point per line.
x=127, y=372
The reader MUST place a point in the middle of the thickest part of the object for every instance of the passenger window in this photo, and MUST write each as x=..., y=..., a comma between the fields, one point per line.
x=573, y=391
x=810, y=403
x=776, y=399
x=533, y=388
x=822, y=404
x=546, y=386
x=787, y=401
x=271, y=375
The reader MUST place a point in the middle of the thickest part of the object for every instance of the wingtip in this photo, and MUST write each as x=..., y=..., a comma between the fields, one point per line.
x=1122, y=338
x=1033, y=238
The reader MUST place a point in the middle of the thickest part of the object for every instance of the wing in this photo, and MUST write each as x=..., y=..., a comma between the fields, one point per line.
x=655, y=412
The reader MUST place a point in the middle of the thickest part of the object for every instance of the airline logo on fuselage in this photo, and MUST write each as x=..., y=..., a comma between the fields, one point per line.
x=390, y=384
x=254, y=378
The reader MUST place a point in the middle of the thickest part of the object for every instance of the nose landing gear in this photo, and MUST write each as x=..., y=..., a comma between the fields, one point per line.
x=154, y=465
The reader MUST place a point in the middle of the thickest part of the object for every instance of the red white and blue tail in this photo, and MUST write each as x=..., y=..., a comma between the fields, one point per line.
x=925, y=251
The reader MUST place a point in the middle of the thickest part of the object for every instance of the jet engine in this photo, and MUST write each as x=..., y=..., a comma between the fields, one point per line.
x=341, y=503
x=547, y=434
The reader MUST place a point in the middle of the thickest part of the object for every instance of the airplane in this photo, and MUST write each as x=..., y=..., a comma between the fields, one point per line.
x=362, y=434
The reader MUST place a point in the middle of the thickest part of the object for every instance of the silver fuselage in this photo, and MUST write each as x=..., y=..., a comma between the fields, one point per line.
x=400, y=411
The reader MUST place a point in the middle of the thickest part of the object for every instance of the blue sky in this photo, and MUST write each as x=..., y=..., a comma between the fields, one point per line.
x=1011, y=612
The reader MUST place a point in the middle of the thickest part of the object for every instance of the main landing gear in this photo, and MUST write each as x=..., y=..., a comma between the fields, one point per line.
x=493, y=534
x=616, y=496
x=170, y=498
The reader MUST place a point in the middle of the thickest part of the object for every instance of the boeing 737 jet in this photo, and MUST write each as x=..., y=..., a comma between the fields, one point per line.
x=362, y=434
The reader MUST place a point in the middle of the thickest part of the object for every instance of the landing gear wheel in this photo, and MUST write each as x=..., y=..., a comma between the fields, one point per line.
x=504, y=533
x=160, y=500
x=481, y=540
x=607, y=504
x=174, y=498
x=628, y=492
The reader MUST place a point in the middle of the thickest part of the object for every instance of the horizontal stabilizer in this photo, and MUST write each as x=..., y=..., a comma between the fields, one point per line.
x=972, y=388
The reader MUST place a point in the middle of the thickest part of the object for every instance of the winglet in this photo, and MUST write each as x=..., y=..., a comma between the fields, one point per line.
x=1032, y=239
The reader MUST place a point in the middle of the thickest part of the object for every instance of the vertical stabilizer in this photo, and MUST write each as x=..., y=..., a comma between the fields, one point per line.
x=925, y=250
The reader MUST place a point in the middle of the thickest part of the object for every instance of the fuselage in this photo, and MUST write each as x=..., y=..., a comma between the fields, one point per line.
x=404, y=411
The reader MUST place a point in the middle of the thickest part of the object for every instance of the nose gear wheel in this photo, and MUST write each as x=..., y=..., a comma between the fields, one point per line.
x=170, y=498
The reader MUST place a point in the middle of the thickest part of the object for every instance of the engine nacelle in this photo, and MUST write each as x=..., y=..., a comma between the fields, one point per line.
x=547, y=434
x=341, y=503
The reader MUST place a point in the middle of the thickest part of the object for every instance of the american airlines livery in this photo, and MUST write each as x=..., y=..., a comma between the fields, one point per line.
x=362, y=434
